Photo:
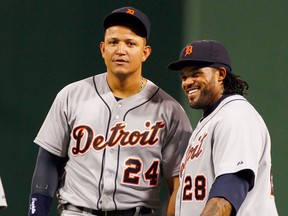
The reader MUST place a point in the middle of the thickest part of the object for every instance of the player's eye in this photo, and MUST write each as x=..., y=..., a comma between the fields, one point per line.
x=131, y=43
x=183, y=78
x=112, y=42
x=195, y=75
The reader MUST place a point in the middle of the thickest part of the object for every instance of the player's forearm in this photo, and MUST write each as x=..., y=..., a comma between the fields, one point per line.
x=217, y=207
x=45, y=181
x=171, y=205
x=173, y=185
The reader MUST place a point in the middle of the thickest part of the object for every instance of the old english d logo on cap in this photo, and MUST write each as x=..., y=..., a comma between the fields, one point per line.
x=188, y=50
x=130, y=11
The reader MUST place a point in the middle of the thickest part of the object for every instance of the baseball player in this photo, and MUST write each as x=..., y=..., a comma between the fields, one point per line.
x=3, y=202
x=226, y=169
x=117, y=135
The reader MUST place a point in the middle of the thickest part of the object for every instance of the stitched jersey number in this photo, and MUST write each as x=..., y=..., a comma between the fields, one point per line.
x=199, y=188
x=134, y=168
x=151, y=174
x=187, y=193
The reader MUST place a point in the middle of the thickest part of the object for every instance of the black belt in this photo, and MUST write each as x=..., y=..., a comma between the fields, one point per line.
x=129, y=212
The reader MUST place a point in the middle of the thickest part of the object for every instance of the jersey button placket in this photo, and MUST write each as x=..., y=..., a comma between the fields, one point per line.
x=111, y=163
x=105, y=201
x=117, y=117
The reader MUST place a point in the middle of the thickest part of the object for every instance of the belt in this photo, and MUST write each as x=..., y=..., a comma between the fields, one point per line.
x=128, y=212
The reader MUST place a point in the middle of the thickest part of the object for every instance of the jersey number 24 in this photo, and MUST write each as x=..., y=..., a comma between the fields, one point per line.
x=133, y=171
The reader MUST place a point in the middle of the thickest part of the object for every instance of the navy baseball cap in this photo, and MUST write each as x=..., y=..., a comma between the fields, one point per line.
x=130, y=17
x=208, y=53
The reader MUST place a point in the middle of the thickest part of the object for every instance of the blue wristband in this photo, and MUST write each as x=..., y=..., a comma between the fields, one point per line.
x=232, y=188
x=39, y=204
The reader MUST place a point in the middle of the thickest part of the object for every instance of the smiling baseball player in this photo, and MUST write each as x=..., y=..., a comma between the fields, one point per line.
x=226, y=169
x=120, y=134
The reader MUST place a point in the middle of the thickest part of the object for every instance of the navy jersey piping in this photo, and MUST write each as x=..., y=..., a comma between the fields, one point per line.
x=104, y=152
x=140, y=104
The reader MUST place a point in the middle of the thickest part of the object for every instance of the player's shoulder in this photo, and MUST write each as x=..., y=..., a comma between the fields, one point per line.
x=172, y=110
x=238, y=107
x=169, y=104
x=164, y=97
x=237, y=102
x=79, y=85
x=234, y=98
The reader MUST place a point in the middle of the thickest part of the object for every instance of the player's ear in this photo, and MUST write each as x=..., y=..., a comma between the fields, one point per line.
x=102, y=48
x=221, y=73
x=146, y=52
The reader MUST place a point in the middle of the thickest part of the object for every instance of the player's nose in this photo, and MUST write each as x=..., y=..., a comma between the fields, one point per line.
x=187, y=82
x=120, y=48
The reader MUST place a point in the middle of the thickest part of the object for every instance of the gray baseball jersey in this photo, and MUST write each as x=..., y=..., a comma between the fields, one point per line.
x=3, y=203
x=232, y=138
x=119, y=151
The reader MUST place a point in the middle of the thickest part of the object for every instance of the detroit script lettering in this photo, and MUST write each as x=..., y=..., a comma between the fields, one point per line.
x=193, y=152
x=84, y=137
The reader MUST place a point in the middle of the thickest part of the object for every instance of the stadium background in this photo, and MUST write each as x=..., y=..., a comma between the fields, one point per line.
x=45, y=45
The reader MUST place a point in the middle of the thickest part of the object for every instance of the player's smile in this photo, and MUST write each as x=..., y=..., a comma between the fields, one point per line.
x=193, y=95
x=192, y=91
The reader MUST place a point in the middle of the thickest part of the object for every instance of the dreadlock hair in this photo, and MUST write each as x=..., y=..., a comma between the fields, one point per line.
x=234, y=85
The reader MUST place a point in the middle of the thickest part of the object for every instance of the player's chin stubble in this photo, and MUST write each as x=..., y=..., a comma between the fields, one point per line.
x=202, y=100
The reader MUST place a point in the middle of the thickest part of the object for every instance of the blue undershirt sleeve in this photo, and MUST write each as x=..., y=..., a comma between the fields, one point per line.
x=47, y=173
x=48, y=170
x=233, y=187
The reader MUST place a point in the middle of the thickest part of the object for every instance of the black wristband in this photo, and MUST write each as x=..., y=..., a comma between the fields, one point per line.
x=39, y=204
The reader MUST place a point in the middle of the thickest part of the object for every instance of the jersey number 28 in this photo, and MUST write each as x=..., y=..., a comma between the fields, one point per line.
x=196, y=188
